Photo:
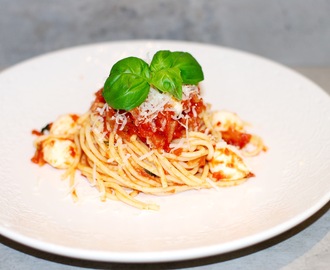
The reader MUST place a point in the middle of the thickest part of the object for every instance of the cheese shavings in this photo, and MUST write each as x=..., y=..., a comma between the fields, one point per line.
x=158, y=102
x=98, y=127
x=154, y=104
x=212, y=184
x=177, y=144
x=121, y=119
x=150, y=153
x=188, y=90
x=104, y=108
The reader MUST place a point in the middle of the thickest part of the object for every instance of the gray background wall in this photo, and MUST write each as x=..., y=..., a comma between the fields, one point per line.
x=293, y=32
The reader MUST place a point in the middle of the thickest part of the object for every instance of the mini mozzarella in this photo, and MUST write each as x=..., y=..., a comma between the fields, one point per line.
x=64, y=126
x=59, y=153
x=228, y=164
x=227, y=120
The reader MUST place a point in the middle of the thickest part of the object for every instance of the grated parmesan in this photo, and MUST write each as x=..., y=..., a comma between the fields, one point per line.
x=146, y=155
x=177, y=145
x=154, y=104
x=188, y=90
x=157, y=102
x=208, y=180
x=104, y=108
x=121, y=119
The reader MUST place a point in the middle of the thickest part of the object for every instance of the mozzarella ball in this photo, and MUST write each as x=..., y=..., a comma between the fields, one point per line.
x=65, y=125
x=224, y=120
x=228, y=165
x=59, y=153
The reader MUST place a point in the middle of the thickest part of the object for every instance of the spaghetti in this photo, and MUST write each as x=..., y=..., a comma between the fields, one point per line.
x=161, y=147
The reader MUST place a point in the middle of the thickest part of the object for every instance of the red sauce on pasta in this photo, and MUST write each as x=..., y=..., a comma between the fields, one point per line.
x=157, y=133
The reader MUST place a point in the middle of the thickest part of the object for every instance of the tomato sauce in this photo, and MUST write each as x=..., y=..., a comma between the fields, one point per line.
x=163, y=128
x=38, y=157
x=36, y=132
x=160, y=135
x=236, y=138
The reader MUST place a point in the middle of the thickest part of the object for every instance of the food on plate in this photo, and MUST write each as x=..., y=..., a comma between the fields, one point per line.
x=149, y=131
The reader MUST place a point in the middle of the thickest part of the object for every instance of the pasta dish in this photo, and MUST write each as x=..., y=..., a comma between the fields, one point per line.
x=149, y=131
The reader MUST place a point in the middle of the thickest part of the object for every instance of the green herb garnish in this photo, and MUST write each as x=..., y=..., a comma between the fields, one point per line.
x=150, y=173
x=130, y=79
x=45, y=128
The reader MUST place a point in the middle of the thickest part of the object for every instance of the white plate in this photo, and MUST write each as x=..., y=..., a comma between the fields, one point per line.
x=292, y=180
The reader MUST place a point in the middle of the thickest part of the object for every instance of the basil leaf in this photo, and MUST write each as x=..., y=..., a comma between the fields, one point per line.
x=165, y=77
x=125, y=91
x=129, y=81
x=132, y=65
x=191, y=71
x=161, y=60
x=168, y=80
x=127, y=85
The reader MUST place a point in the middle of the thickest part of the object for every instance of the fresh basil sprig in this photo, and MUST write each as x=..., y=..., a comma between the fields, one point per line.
x=130, y=79
x=127, y=85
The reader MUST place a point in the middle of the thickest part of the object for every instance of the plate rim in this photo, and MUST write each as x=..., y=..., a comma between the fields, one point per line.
x=160, y=256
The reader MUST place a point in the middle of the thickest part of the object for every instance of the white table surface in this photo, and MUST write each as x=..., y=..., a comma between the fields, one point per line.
x=306, y=246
